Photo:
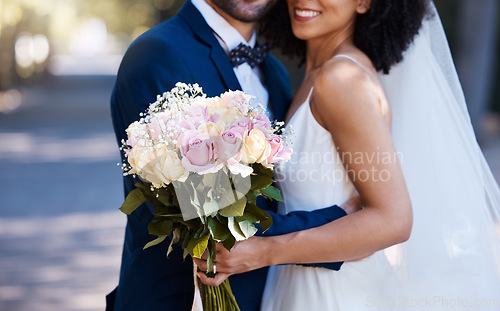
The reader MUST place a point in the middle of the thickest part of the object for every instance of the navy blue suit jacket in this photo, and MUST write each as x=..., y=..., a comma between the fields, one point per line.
x=184, y=49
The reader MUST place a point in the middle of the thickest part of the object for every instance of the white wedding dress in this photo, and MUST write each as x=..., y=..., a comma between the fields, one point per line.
x=452, y=259
x=314, y=178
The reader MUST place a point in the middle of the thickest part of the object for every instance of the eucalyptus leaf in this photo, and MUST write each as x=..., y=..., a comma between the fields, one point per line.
x=169, y=215
x=164, y=196
x=133, y=200
x=247, y=228
x=210, y=207
x=186, y=236
x=265, y=220
x=219, y=231
x=229, y=242
x=260, y=181
x=198, y=246
x=247, y=216
x=251, y=197
x=211, y=254
x=155, y=241
x=235, y=209
x=260, y=169
x=159, y=228
x=273, y=193
x=235, y=229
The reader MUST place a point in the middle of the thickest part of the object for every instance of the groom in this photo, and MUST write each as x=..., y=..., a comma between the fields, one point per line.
x=195, y=47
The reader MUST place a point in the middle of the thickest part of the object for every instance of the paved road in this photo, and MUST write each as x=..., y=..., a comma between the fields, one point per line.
x=60, y=230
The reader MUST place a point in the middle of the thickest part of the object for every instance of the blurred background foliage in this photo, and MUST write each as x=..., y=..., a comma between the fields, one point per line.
x=44, y=38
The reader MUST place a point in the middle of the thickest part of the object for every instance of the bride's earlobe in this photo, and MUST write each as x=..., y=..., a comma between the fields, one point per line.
x=363, y=6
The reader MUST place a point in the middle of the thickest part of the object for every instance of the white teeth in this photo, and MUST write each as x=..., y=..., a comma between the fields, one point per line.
x=306, y=13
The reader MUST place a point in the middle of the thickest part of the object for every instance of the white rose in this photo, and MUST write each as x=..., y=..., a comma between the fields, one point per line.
x=255, y=147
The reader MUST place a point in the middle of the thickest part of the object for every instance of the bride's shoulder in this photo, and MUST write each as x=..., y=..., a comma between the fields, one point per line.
x=344, y=81
x=346, y=88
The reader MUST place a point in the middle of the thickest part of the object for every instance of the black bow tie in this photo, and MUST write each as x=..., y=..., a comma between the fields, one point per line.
x=245, y=54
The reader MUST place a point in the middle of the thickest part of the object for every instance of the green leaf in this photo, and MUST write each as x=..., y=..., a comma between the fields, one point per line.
x=229, y=242
x=273, y=193
x=260, y=181
x=219, y=231
x=251, y=197
x=164, y=196
x=203, y=230
x=159, y=228
x=260, y=169
x=247, y=228
x=235, y=229
x=198, y=246
x=211, y=254
x=186, y=236
x=155, y=241
x=133, y=200
x=247, y=216
x=210, y=207
x=235, y=209
x=265, y=220
x=169, y=215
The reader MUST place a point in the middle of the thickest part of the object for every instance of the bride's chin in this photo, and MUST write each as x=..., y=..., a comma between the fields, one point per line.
x=300, y=35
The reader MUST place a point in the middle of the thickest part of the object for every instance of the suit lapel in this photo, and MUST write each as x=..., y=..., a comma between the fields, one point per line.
x=205, y=34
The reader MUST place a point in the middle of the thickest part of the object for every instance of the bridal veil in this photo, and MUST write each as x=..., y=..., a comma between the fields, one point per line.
x=451, y=261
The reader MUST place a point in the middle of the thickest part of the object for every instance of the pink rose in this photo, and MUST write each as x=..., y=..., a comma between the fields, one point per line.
x=243, y=122
x=228, y=145
x=215, y=117
x=197, y=152
x=278, y=151
x=195, y=115
x=261, y=120
x=135, y=132
x=241, y=125
x=157, y=124
x=235, y=98
x=228, y=150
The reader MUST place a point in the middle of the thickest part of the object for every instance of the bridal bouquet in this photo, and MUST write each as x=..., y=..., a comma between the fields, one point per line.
x=202, y=162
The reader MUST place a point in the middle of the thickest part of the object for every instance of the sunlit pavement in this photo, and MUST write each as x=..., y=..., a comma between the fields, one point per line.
x=60, y=229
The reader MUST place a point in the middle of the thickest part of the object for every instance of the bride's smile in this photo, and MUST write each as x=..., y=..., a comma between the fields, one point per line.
x=303, y=15
x=319, y=18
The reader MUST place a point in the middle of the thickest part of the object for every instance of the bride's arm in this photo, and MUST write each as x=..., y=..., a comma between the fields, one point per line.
x=350, y=111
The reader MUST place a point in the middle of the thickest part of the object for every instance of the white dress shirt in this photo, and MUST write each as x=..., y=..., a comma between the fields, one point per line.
x=249, y=78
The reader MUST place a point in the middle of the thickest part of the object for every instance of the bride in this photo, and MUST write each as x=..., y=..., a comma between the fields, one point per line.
x=382, y=107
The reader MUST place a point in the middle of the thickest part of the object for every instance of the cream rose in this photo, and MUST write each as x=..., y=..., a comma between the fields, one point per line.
x=212, y=129
x=255, y=148
x=169, y=168
x=143, y=161
x=139, y=157
x=228, y=115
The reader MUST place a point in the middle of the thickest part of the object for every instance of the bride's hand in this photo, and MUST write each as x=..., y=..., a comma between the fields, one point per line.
x=244, y=256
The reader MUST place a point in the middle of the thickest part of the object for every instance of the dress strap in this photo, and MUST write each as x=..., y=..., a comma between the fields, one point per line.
x=348, y=57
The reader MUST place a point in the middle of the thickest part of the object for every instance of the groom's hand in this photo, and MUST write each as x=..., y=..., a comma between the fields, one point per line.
x=353, y=205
